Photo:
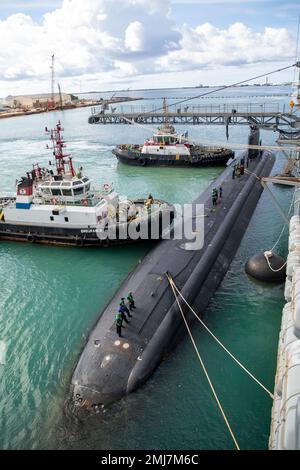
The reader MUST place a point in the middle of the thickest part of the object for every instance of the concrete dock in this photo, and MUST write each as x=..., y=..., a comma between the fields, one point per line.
x=285, y=420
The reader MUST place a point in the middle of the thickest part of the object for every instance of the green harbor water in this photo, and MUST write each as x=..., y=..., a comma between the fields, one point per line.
x=51, y=297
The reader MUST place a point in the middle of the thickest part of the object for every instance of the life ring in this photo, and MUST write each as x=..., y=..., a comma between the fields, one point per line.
x=53, y=200
x=30, y=238
x=84, y=202
x=142, y=161
x=106, y=187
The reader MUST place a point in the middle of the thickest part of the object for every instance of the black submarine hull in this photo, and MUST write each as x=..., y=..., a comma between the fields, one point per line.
x=111, y=367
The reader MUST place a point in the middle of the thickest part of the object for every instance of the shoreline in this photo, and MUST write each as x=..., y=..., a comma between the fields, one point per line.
x=183, y=88
x=6, y=115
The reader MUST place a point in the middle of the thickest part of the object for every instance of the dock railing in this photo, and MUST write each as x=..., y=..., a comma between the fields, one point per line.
x=225, y=108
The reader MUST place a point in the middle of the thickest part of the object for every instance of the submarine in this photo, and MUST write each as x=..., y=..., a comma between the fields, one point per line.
x=111, y=367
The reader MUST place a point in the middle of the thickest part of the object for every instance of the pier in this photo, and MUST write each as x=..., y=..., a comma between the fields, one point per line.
x=265, y=115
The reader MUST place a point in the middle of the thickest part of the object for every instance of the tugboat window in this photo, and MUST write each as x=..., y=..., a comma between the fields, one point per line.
x=78, y=191
x=66, y=219
x=67, y=192
x=51, y=217
x=55, y=192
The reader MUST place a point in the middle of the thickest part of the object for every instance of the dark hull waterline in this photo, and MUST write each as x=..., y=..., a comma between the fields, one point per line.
x=40, y=236
x=196, y=160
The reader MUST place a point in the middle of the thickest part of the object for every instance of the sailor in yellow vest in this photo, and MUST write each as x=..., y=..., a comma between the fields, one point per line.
x=149, y=201
x=292, y=104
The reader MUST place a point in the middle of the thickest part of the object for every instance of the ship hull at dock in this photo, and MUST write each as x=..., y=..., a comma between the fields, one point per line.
x=111, y=367
x=201, y=159
x=90, y=236
x=56, y=236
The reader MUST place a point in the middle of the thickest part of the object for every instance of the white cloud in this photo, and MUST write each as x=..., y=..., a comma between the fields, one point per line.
x=134, y=36
x=86, y=37
x=208, y=46
x=115, y=41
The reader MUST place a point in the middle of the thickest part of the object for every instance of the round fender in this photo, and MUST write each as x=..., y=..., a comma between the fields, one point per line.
x=142, y=161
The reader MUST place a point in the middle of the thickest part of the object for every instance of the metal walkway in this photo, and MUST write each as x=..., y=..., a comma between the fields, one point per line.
x=269, y=116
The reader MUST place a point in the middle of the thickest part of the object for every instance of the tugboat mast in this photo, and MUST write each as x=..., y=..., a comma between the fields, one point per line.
x=57, y=146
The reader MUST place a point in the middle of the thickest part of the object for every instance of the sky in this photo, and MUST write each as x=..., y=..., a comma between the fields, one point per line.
x=128, y=44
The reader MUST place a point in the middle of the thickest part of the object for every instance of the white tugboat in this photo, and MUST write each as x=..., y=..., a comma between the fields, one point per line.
x=168, y=148
x=60, y=207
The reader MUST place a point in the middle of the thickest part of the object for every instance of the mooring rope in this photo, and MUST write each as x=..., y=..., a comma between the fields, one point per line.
x=171, y=281
x=270, y=267
x=284, y=225
x=204, y=368
x=252, y=173
x=280, y=235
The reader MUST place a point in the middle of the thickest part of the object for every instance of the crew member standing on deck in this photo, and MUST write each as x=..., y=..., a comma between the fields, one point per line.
x=149, y=201
x=131, y=301
x=220, y=192
x=119, y=324
x=260, y=152
x=123, y=304
x=233, y=172
x=122, y=312
x=214, y=196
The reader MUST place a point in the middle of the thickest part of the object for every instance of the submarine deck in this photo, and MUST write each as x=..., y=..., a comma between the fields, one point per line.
x=111, y=367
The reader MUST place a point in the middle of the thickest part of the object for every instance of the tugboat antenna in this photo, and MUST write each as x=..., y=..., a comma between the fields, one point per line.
x=57, y=145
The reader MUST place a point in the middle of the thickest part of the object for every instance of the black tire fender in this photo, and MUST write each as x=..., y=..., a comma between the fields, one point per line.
x=30, y=238
x=142, y=161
